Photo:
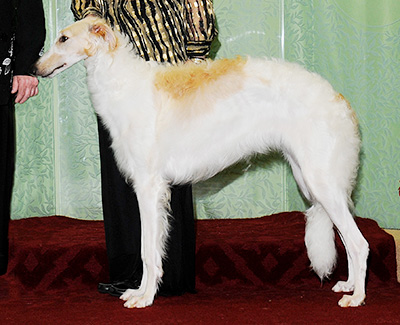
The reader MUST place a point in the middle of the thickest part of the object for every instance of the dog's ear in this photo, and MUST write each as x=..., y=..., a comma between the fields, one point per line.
x=104, y=31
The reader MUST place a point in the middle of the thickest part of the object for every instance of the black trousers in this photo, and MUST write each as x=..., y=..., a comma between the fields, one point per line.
x=7, y=167
x=122, y=228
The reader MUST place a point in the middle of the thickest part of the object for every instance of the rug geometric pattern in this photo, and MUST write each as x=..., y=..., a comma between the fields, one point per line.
x=54, y=253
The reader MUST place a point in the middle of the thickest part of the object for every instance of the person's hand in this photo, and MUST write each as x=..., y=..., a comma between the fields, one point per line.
x=25, y=87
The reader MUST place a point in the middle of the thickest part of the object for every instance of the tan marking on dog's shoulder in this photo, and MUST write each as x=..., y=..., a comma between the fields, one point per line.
x=339, y=97
x=183, y=80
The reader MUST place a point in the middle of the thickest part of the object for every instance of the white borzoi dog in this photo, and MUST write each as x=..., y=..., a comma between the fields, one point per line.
x=185, y=123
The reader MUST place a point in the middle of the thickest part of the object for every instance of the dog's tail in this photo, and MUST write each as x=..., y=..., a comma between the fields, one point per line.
x=320, y=241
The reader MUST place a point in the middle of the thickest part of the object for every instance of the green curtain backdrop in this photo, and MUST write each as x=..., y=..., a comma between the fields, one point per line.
x=354, y=44
x=57, y=147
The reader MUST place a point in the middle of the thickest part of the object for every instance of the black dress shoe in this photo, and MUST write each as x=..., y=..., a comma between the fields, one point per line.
x=117, y=288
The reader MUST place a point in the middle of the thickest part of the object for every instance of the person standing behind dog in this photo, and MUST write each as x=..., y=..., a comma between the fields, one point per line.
x=164, y=31
x=22, y=35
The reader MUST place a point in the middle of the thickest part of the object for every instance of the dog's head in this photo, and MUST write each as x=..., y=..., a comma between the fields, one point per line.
x=77, y=42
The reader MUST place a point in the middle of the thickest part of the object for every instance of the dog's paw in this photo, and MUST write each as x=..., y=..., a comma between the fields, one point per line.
x=343, y=286
x=139, y=302
x=131, y=293
x=352, y=301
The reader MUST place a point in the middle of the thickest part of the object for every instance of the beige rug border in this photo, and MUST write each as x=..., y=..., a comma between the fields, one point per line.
x=396, y=235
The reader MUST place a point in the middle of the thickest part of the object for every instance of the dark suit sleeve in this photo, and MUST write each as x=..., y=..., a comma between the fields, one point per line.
x=29, y=36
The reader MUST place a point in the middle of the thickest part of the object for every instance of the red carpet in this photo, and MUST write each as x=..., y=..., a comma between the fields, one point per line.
x=248, y=272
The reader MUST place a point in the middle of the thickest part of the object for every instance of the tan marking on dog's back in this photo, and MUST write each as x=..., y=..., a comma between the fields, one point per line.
x=184, y=80
x=339, y=97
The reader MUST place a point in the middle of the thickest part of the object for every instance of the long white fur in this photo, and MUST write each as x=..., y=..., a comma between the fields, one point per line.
x=160, y=138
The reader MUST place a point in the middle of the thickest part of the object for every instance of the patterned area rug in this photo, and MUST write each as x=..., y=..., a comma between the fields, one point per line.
x=248, y=272
x=58, y=252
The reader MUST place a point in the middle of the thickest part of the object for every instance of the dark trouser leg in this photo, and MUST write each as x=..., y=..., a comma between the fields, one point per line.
x=121, y=216
x=179, y=264
x=7, y=166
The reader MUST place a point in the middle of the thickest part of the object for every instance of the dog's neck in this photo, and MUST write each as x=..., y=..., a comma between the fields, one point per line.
x=112, y=75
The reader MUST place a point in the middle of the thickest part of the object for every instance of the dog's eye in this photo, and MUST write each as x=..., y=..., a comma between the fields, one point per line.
x=63, y=39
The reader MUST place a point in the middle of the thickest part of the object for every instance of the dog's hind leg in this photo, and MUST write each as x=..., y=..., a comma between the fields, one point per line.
x=330, y=208
x=356, y=246
x=346, y=286
x=153, y=198
x=357, y=249
x=298, y=176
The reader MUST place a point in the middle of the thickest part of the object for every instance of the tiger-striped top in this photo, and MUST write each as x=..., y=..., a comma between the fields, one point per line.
x=162, y=30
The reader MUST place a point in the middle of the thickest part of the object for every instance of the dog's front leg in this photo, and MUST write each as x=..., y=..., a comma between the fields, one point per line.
x=153, y=198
